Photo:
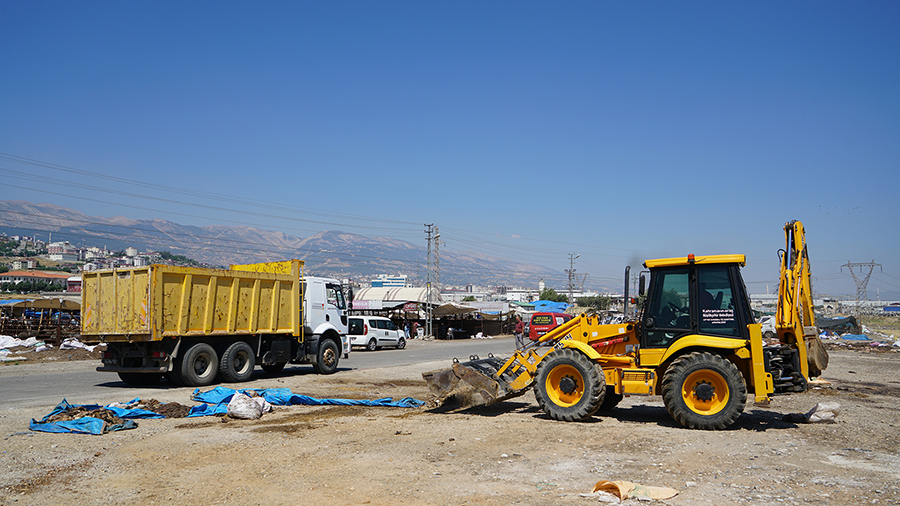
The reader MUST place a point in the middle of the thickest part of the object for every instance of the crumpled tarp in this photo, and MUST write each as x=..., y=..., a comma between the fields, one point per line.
x=215, y=403
x=550, y=307
x=855, y=337
x=216, y=400
x=88, y=424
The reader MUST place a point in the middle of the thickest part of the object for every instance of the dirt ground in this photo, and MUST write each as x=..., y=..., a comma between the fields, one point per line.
x=510, y=453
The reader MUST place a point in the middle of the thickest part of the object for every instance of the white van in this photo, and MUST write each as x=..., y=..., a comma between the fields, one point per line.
x=373, y=332
x=768, y=326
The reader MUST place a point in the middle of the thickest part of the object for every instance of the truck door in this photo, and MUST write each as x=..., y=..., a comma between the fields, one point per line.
x=336, y=307
x=668, y=314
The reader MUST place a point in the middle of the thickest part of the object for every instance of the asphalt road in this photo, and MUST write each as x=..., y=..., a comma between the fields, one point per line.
x=32, y=385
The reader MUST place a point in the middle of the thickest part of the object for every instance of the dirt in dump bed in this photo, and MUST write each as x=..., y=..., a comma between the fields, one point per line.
x=168, y=410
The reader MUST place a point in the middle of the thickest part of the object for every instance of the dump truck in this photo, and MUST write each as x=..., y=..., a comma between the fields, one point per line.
x=195, y=325
x=694, y=342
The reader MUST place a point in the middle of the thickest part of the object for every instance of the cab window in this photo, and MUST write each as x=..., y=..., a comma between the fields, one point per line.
x=717, y=303
x=335, y=296
x=669, y=313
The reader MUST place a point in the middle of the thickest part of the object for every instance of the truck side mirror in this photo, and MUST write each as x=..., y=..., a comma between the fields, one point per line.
x=642, y=285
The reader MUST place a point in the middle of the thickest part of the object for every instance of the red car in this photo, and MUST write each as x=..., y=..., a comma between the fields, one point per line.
x=541, y=323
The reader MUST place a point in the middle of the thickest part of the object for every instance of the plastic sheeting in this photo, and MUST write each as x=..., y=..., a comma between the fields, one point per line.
x=548, y=306
x=88, y=424
x=216, y=400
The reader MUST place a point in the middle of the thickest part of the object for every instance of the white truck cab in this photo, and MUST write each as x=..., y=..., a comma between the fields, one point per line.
x=325, y=310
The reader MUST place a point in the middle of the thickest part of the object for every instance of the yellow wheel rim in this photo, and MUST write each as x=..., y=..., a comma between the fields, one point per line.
x=564, y=385
x=705, y=392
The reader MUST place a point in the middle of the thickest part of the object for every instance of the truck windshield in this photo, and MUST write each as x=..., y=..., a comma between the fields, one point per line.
x=335, y=295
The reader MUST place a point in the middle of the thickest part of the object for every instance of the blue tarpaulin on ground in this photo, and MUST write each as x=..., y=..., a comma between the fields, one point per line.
x=855, y=337
x=217, y=400
x=83, y=425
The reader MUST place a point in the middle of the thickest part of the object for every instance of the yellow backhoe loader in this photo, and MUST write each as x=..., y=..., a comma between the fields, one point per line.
x=694, y=341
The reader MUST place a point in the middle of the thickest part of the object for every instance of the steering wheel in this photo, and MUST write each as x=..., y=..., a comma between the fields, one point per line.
x=678, y=310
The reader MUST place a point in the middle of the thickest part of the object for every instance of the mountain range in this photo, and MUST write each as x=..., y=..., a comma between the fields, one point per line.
x=327, y=253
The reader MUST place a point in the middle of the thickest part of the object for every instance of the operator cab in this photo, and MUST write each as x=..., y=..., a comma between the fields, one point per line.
x=695, y=295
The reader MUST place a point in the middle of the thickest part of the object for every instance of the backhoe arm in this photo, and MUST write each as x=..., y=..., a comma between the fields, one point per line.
x=795, y=319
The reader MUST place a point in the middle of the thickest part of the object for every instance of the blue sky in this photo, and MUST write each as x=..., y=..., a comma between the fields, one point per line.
x=617, y=131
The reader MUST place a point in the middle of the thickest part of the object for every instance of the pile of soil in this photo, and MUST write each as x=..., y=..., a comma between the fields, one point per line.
x=168, y=409
x=75, y=413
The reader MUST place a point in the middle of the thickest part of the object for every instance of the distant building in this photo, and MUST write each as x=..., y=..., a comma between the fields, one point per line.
x=62, y=252
x=131, y=252
x=18, y=265
x=73, y=284
x=54, y=278
x=386, y=281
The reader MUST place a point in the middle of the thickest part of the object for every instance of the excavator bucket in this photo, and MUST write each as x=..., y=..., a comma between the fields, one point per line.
x=472, y=383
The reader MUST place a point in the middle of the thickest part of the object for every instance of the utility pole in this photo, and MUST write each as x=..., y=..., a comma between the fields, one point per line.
x=571, y=272
x=861, y=284
x=428, y=312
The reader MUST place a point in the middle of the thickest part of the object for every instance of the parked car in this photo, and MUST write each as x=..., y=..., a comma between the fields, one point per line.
x=36, y=313
x=768, y=326
x=64, y=317
x=373, y=332
x=541, y=323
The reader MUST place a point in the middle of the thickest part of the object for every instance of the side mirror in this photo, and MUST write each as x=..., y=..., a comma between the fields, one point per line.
x=642, y=285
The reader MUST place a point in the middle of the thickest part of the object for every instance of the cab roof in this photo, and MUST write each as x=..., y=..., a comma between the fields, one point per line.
x=708, y=259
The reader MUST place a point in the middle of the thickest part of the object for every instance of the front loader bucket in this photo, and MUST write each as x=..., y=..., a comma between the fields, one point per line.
x=472, y=383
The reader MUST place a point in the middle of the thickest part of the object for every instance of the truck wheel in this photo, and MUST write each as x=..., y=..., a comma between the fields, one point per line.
x=611, y=399
x=237, y=363
x=273, y=368
x=705, y=391
x=372, y=345
x=569, y=386
x=198, y=366
x=328, y=356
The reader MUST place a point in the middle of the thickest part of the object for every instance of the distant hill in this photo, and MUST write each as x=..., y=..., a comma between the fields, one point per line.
x=331, y=253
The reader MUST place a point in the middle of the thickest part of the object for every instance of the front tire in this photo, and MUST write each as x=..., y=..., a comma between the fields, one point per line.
x=569, y=387
x=237, y=363
x=704, y=391
x=401, y=343
x=372, y=345
x=198, y=367
x=327, y=358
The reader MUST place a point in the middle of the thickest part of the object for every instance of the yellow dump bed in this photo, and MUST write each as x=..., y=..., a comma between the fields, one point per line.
x=149, y=303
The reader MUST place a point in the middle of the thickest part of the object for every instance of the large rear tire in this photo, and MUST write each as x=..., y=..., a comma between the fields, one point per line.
x=237, y=363
x=569, y=386
x=704, y=391
x=198, y=366
x=327, y=358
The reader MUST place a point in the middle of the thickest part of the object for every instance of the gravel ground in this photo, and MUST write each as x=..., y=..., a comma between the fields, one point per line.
x=504, y=454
